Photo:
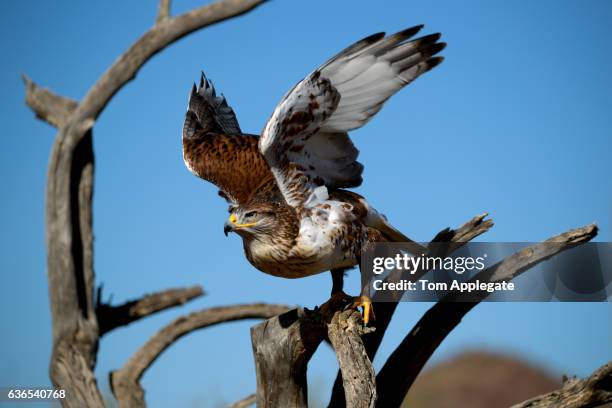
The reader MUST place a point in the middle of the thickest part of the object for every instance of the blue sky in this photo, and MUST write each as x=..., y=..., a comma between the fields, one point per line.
x=516, y=122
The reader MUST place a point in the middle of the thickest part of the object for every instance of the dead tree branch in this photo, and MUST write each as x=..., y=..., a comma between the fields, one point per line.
x=282, y=347
x=245, y=402
x=111, y=317
x=53, y=109
x=406, y=362
x=69, y=193
x=385, y=310
x=594, y=391
x=163, y=11
x=358, y=378
x=126, y=381
x=169, y=30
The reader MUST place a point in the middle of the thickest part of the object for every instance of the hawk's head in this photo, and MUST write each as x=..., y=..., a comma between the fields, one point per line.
x=253, y=221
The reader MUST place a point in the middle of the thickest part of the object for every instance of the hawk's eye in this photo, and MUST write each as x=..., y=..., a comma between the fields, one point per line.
x=250, y=214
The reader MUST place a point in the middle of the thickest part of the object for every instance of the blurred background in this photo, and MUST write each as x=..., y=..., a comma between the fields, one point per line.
x=515, y=122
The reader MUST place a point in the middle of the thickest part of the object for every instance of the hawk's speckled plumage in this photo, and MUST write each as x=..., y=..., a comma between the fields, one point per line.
x=286, y=187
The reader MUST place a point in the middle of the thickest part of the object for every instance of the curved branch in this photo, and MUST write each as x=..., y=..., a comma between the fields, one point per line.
x=48, y=106
x=111, y=317
x=593, y=391
x=416, y=348
x=167, y=31
x=125, y=382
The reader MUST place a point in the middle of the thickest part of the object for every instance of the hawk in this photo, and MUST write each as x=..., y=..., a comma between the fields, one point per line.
x=286, y=188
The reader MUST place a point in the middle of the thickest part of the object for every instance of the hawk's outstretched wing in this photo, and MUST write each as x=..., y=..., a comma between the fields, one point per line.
x=305, y=140
x=215, y=149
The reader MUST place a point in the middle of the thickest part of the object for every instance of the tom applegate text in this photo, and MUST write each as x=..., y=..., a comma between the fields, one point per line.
x=426, y=285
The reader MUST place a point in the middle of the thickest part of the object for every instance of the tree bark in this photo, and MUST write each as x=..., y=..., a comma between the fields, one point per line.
x=125, y=382
x=384, y=310
x=358, y=379
x=70, y=271
x=594, y=391
x=282, y=347
x=69, y=197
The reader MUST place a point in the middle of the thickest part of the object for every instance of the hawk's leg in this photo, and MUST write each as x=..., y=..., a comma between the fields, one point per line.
x=338, y=300
x=337, y=292
x=337, y=280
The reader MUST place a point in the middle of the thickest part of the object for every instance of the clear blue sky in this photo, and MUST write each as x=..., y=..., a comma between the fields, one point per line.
x=516, y=122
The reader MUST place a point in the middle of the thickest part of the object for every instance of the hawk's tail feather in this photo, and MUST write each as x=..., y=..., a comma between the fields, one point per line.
x=394, y=235
x=376, y=220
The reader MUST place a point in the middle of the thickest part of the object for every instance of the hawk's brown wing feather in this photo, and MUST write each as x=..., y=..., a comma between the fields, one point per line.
x=215, y=149
x=231, y=162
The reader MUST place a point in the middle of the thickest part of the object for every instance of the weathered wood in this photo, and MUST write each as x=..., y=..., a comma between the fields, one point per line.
x=111, y=317
x=406, y=362
x=48, y=106
x=594, y=391
x=69, y=192
x=163, y=11
x=282, y=347
x=384, y=310
x=70, y=272
x=126, y=381
x=358, y=379
x=245, y=402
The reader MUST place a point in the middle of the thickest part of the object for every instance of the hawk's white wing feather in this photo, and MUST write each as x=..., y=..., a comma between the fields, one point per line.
x=305, y=141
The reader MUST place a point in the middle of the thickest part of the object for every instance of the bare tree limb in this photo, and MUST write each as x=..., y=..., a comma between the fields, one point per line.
x=163, y=11
x=358, y=377
x=68, y=200
x=125, y=382
x=70, y=274
x=171, y=29
x=245, y=402
x=282, y=347
x=406, y=362
x=48, y=106
x=111, y=317
x=385, y=310
x=594, y=391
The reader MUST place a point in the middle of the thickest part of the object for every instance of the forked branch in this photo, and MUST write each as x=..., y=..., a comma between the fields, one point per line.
x=69, y=197
x=406, y=362
x=48, y=106
x=163, y=11
x=125, y=382
x=385, y=310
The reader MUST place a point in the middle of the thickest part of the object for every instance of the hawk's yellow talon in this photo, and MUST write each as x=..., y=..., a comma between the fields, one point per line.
x=366, y=303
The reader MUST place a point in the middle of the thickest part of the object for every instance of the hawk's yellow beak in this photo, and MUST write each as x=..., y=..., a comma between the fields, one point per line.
x=232, y=224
